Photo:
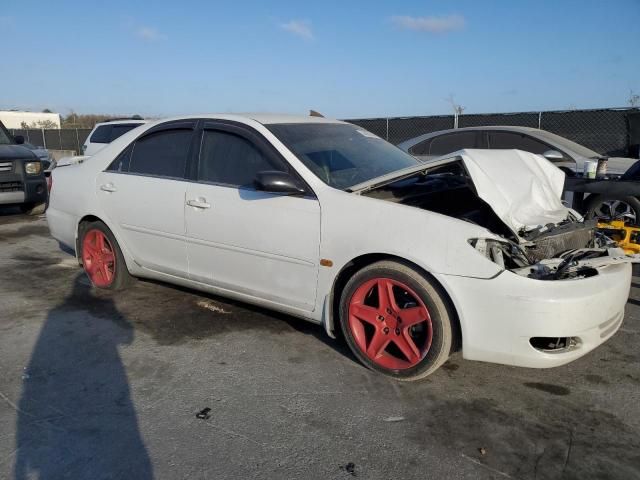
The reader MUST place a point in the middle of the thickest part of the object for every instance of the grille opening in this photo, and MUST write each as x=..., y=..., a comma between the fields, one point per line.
x=554, y=344
x=11, y=187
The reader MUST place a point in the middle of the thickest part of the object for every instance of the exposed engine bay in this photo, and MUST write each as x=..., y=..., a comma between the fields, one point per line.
x=570, y=247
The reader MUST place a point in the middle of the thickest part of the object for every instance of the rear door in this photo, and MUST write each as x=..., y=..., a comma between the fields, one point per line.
x=238, y=238
x=143, y=193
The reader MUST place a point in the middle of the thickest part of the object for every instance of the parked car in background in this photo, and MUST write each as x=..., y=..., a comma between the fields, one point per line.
x=42, y=153
x=567, y=155
x=106, y=132
x=22, y=180
x=325, y=221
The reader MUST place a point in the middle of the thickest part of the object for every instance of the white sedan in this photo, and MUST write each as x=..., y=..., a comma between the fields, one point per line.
x=327, y=222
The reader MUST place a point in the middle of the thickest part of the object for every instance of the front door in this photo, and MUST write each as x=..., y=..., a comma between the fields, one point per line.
x=238, y=238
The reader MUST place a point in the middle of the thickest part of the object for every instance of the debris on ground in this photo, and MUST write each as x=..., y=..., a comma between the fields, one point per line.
x=209, y=305
x=394, y=419
x=204, y=414
x=482, y=451
x=350, y=468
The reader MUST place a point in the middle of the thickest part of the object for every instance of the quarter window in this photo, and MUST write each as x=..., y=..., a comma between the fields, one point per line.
x=230, y=159
x=162, y=154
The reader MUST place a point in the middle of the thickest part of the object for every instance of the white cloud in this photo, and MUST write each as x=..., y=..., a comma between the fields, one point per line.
x=149, y=34
x=301, y=28
x=441, y=24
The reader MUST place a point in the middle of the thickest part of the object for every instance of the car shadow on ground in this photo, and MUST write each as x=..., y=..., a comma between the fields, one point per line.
x=76, y=418
x=241, y=316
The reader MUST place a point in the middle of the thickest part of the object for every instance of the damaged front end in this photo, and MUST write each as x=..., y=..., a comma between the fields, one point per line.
x=548, y=260
x=516, y=196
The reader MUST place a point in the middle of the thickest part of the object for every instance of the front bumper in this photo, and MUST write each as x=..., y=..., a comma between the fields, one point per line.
x=499, y=316
x=17, y=189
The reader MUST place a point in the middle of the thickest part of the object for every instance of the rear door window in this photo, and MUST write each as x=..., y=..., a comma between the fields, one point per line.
x=101, y=135
x=162, y=154
x=508, y=140
x=452, y=142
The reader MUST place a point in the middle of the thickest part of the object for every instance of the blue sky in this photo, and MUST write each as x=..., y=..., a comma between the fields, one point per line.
x=344, y=58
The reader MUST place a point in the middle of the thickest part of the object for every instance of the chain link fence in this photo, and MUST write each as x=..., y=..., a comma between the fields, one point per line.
x=604, y=130
x=55, y=139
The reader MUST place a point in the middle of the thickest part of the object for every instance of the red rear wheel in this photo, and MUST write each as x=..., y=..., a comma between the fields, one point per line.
x=98, y=258
x=396, y=320
x=390, y=323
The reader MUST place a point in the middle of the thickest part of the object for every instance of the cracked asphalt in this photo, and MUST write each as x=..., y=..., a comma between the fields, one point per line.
x=106, y=385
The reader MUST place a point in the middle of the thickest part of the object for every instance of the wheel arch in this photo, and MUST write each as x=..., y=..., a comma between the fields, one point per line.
x=357, y=263
x=123, y=248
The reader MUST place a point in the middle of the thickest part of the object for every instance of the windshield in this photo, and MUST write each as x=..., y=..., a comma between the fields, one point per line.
x=5, y=138
x=341, y=155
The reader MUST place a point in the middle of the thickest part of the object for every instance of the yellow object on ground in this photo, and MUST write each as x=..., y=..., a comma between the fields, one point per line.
x=627, y=236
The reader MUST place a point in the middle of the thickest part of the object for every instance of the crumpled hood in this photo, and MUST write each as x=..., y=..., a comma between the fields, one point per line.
x=522, y=188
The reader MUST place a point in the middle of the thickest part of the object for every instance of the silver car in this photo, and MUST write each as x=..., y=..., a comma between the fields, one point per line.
x=561, y=151
x=564, y=153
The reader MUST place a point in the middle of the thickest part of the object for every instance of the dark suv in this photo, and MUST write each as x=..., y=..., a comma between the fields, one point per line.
x=22, y=179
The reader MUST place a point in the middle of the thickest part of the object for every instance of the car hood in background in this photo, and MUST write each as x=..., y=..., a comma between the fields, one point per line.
x=15, y=152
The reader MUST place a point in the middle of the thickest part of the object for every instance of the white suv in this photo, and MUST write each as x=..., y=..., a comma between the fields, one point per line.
x=106, y=132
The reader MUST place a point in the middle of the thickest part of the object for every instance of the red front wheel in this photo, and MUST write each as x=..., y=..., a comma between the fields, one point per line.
x=102, y=258
x=396, y=321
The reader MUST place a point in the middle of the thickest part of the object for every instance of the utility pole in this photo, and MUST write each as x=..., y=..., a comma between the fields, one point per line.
x=457, y=109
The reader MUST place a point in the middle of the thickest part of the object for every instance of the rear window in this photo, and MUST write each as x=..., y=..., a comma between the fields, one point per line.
x=101, y=135
x=121, y=129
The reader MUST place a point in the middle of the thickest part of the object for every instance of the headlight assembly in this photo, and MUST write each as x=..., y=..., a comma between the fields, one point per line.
x=503, y=254
x=33, y=168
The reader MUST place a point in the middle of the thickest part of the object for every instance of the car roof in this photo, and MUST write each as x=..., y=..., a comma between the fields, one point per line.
x=413, y=141
x=263, y=118
x=129, y=121
x=544, y=135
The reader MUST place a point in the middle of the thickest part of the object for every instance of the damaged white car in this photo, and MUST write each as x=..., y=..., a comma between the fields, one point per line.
x=325, y=221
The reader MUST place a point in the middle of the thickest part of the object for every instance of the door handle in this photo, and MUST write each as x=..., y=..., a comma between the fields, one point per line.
x=199, y=203
x=108, y=187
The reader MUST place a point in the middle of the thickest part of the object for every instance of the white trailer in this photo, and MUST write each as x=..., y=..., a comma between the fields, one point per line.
x=17, y=119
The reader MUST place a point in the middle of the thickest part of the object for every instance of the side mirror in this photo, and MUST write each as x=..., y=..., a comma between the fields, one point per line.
x=19, y=139
x=278, y=182
x=553, y=155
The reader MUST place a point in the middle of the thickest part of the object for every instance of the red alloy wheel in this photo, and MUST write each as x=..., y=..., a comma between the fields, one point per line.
x=98, y=258
x=390, y=323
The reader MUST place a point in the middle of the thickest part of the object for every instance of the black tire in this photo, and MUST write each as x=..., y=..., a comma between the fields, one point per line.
x=429, y=292
x=594, y=201
x=122, y=278
x=32, y=208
